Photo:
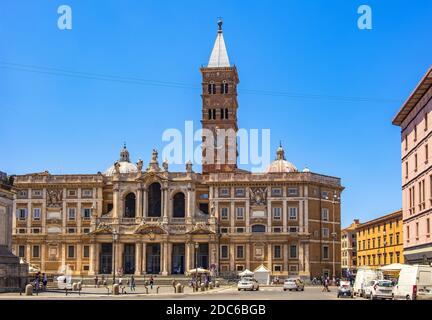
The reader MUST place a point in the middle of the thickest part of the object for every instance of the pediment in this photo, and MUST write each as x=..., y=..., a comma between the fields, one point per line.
x=150, y=228
x=102, y=228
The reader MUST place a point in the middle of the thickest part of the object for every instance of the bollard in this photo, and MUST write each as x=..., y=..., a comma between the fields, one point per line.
x=178, y=288
x=211, y=286
x=203, y=287
x=157, y=289
x=116, y=289
x=74, y=286
x=146, y=289
x=29, y=290
x=217, y=284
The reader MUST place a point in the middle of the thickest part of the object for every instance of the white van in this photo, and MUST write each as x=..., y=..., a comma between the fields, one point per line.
x=415, y=283
x=363, y=277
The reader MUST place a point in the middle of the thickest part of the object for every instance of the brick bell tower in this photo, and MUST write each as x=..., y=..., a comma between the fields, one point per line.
x=219, y=109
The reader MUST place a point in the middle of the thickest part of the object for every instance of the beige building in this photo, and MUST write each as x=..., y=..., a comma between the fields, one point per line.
x=12, y=272
x=416, y=132
x=154, y=221
x=349, y=248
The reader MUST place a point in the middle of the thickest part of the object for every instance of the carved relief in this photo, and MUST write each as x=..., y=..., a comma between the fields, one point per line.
x=258, y=196
x=54, y=198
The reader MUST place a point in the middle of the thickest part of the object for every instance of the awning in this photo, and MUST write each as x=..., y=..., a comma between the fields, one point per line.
x=246, y=273
x=393, y=267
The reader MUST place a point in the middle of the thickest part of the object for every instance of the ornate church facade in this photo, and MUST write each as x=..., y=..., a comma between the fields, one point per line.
x=140, y=221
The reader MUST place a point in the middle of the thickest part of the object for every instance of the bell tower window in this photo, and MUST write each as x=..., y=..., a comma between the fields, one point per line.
x=222, y=113
x=224, y=87
x=226, y=113
x=212, y=88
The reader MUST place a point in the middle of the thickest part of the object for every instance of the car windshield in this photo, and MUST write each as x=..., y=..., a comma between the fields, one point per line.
x=290, y=280
x=385, y=284
x=371, y=283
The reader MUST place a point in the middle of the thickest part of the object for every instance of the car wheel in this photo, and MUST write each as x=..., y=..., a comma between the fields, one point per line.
x=303, y=289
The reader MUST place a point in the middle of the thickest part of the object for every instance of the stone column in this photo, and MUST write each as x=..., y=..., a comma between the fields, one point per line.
x=138, y=258
x=270, y=257
x=43, y=253
x=28, y=253
x=44, y=212
x=306, y=211
x=301, y=214
x=29, y=214
x=79, y=217
x=165, y=204
x=301, y=256
x=139, y=203
x=119, y=255
x=247, y=213
x=63, y=255
x=285, y=258
x=232, y=257
x=188, y=262
x=306, y=259
x=144, y=207
x=144, y=258
x=169, y=257
x=78, y=257
x=285, y=215
x=164, y=258
x=116, y=201
x=248, y=255
x=92, y=266
x=232, y=215
x=269, y=216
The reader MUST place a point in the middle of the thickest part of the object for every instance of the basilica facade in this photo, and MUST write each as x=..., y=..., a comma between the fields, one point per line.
x=136, y=219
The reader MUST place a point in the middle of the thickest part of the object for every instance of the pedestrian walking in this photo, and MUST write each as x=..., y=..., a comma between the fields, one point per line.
x=96, y=282
x=44, y=281
x=151, y=282
x=132, y=283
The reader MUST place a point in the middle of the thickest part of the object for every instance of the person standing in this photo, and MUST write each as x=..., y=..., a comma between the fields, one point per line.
x=44, y=281
x=96, y=281
x=151, y=282
x=132, y=283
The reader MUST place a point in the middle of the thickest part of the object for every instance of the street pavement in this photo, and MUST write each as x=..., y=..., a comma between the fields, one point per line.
x=167, y=293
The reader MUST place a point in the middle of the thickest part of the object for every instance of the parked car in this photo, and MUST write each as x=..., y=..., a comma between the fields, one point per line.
x=345, y=289
x=363, y=277
x=379, y=289
x=414, y=283
x=293, y=284
x=248, y=283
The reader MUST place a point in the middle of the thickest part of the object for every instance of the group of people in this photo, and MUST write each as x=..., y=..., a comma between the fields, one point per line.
x=130, y=282
x=40, y=282
x=196, y=281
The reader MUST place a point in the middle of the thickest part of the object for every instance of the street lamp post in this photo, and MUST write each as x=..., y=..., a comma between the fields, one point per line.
x=114, y=237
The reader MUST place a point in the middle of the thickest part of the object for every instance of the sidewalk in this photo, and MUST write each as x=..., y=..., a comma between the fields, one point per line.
x=92, y=292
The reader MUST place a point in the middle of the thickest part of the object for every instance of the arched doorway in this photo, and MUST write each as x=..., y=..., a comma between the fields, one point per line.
x=154, y=200
x=179, y=205
x=129, y=205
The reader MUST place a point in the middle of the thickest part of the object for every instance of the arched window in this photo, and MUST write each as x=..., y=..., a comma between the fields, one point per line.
x=224, y=87
x=258, y=228
x=129, y=205
x=154, y=200
x=211, y=88
x=179, y=205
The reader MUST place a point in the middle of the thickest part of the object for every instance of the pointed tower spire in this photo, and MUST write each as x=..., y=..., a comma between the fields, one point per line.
x=219, y=55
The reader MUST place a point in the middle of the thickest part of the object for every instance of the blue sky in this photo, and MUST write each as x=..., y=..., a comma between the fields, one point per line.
x=308, y=49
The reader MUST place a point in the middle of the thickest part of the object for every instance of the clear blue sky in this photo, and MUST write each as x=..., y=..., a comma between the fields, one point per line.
x=70, y=124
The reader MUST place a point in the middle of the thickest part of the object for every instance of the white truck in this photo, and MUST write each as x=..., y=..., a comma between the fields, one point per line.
x=414, y=283
x=363, y=277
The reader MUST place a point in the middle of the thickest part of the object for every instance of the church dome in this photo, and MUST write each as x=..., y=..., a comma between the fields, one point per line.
x=280, y=164
x=125, y=166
